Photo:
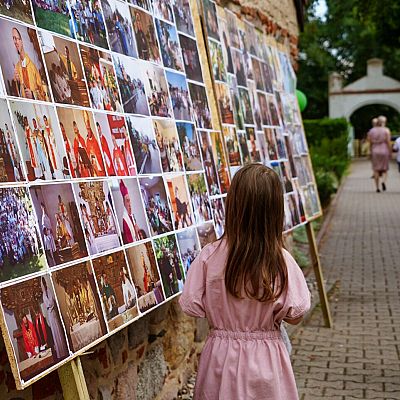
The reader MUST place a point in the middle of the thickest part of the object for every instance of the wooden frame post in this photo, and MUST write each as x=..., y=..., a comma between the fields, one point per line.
x=73, y=381
x=316, y=263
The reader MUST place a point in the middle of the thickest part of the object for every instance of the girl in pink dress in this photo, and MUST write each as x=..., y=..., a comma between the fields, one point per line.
x=246, y=284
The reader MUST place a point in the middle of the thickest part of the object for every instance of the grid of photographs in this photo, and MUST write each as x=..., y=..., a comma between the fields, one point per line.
x=111, y=176
x=261, y=123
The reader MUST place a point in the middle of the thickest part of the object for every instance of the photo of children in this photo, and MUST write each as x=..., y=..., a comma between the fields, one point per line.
x=206, y=233
x=115, y=145
x=209, y=163
x=217, y=61
x=189, y=246
x=81, y=142
x=210, y=17
x=17, y=9
x=168, y=145
x=224, y=103
x=34, y=326
x=119, y=27
x=169, y=45
x=143, y=267
x=163, y=9
x=131, y=81
x=59, y=223
x=145, y=149
x=21, y=251
x=183, y=16
x=116, y=289
x=65, y=70
x=41, y=145
x=232, y=145
x=169, y=264
x=218, y=216
x=156, y=205
x=22, y=63
x=101, y=79
x=191, y=59
x=129, y=210
x=199, y=198
x=190, y=146
x=179, y=92
x=97, y=216
x=201, y=111
x=10, y=159
x=79, y=304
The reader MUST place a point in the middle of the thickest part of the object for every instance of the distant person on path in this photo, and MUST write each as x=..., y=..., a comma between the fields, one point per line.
x=396, y=147
x=246, y=284
x=379, y=139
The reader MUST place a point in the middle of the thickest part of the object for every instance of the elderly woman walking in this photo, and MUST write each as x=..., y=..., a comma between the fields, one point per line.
x=379, y=139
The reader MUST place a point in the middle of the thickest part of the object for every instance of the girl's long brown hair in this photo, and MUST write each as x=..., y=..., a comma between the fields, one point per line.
x=253, y=231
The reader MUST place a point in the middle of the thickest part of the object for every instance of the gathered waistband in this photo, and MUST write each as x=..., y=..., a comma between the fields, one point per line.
x=245, y=335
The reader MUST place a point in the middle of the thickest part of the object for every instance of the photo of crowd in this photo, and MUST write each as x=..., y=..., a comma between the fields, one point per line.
x=199, y=198
x=179, y=93
x=191, y=59
x=201, y=111
x=189, y=246
x=190, y=146
x=156, y=205
x=59, y=223
x=183, y=17
x=17, y=9
x=22, y=63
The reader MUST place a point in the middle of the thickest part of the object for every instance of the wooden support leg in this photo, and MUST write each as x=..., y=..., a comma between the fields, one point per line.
x=73, y=381
x=318, y=275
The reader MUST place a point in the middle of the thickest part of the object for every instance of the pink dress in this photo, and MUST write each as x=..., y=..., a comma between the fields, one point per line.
x=244, y=357
x=380, y=153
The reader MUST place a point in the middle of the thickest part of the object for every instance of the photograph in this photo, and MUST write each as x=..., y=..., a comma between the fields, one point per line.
x=190, y=146
x=298, y=162
x=271, y=142
x=169, y=45
x=65, y=70
x=226, y=47
x=251, y=40
x=273, y=111
x=189, y=246
x=119, y=27
x=263, y=147
x=145, y=4
x=143, y=267
x=201, y=111
x=267, y=76
x=97, y=216
x=11, y=169
x=179, y=92
x=264, y=110
x=218, y=216
x=81, y=142
x=129, y=209
x=180, y=202
x=288, y=222
x=237, y=105
x=244, y=148
x=101, y=79
x=169, y=264
x=252, y=145
x=254, y=99
x=220, y=160
x=21, y=62
x=257, y=73
x=299, y=197
x=157, y=91
x=183, y=16
x=116, y=289
x=209, y=163
x=238, y=65
x=232, y=22
x=41, y=144
x=287, y=179
x=156, y=205
x=59, y=223
x=21, y=251
x=79, y=304
x=163, y=9
x=131, y=81
x=280, y=143
x=89, y=22
x=145, y=33
x=199, y=198
x=210, y=18
x=206, y=234
x=191, y=58
x=145, y=149
x=246, y=106
x=217, y=61
x=224, y=103
x=299, y=141
x=115, y=145
x=34, y=327
x=17, y=9
x=293, y=210
x=168, y=144
x=54, y=16
x=232, y=146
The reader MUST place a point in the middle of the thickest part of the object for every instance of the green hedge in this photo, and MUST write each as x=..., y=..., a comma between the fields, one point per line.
x=328, y=142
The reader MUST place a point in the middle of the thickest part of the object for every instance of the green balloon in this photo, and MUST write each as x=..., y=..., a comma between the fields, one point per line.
x=302, y=99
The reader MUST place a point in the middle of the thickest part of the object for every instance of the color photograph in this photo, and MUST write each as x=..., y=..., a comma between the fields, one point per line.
x=22, y=63
x=190, y=146
x=280, y=143
x=145, y=4
x=273, y=111
x=252, y=145
x=237, y=106
x=156, y=205
x=17, y=9
x=131, y=81
x=65, y=70
x=129, y=210
x=183, y=16
x=143, y=267
x=199, y=198
x=232, y=22
x=264, y=109
x=226, y=48
x=169, y=264
x=267, y=77
x=217, y=61
x=145, y=149
x=116, y=289
x=220, y=160
x=59, y=223
x=81, y=142
x=115, y=145
x=97, y=216
x=218, y=216
x=210, y=18
x=287, y=179
x=238, y=65
x=163, y=9
x=189, y=246
x=79, y=304
x=21, y=251
x=209, y=163
x=251, y=40
x=40, y=141
x=224, y=103
x=34, y=326
x=271, y=142
x=206, y=234
x=257, y=73
x=232, y=145
x=258, y=118
x=246, y=106
x=191, y=58
x=179, y=92
x=202, y=113
x=262, y=143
